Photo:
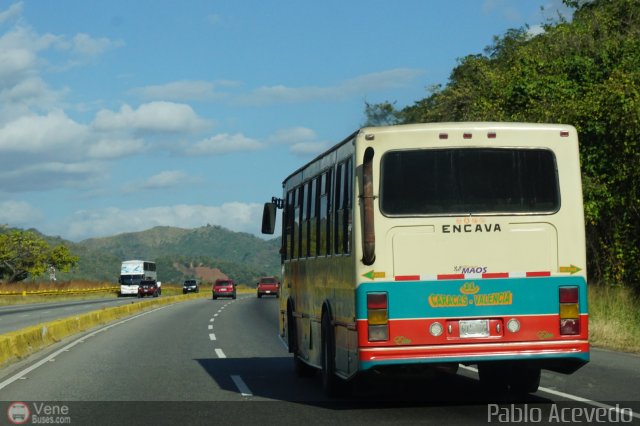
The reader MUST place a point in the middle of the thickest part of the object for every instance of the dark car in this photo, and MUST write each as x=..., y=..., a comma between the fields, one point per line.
x=191, y=286
x=268, y=286
x=148, y=288
x=224, y=288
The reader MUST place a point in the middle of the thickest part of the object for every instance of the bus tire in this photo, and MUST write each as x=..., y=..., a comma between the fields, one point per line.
x=331, y=384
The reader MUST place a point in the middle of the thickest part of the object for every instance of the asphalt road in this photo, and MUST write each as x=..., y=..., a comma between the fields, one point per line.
x=220, y=362
x=15, y=317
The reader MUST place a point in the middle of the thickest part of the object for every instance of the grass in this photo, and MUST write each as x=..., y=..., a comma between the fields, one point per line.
x=614, y=318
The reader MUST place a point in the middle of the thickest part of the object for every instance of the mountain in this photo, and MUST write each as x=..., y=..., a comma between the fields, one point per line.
x=179, y=253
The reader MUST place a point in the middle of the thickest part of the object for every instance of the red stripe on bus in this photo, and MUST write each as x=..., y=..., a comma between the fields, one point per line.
x=407, y=277
x=539, y=274
x=451, y=277
x=495, y=275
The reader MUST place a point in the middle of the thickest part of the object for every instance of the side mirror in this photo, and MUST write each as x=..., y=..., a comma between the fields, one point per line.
x=269, y=218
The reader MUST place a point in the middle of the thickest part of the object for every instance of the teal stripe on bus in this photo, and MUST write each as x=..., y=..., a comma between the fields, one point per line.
x=471, y=297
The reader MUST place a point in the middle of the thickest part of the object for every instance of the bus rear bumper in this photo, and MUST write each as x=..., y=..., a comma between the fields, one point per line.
x=564, y=356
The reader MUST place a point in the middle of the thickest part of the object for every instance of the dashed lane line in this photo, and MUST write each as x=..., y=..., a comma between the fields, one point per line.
x=241, y=385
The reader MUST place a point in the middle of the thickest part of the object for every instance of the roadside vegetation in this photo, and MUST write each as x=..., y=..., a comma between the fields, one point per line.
x=614, y=318
x=583, y=71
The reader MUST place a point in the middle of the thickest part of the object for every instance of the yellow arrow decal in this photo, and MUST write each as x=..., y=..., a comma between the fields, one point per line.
x=372, y=275
x=570, y=269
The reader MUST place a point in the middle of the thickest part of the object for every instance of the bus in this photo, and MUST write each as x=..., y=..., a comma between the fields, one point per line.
x=134, y=271
x=410, y=247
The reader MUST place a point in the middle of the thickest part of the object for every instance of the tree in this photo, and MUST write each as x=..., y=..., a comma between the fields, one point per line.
x=24, y=254
x=585, y=72
x=381, y=114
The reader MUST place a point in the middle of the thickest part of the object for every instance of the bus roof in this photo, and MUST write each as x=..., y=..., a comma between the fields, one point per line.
x=435, y=127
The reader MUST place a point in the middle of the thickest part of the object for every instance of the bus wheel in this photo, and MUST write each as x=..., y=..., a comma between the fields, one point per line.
x=332, y=384
x=524, y=380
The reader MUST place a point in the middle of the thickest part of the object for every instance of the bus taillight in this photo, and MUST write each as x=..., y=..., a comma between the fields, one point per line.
x=569, y=311
x=378, y=316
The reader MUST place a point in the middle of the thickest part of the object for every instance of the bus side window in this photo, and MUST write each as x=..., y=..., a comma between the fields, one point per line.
x=296, y=223
x=337, y=210
x=313, y=218
x=324, y=224
x=348, y=196
x=304, y=222
x=288, y=219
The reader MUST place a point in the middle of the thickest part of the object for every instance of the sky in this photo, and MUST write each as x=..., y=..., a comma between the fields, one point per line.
x=120, y=115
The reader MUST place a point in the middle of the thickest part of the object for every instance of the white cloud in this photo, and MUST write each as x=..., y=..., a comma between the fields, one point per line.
x=222, y=144
x=184, y=90
x=14, y=11
x=177, y=91
x=309, y=148
x=239, y=217
x=151, y=117
x=51, y=175
x=51, y=134
x=114, y=147
x=302, y=141
x=293, y=135
x=18, y=213
x=14, y=65
x=87, y=46
x=359, y=86
x=162, y=180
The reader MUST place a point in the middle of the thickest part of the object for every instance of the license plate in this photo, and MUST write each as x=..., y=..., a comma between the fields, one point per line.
x=474, y=328
x=268, y=291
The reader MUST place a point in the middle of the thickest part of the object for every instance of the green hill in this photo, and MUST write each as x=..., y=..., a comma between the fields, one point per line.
x=177, y=252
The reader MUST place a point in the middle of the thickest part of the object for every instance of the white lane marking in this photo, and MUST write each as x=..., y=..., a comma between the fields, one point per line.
x=210, y=327
x=212, y=336
x=242, y=386
x=216, y=314
x=220, y=353
x=571, y=397
x=21, y=374
x=212, y=319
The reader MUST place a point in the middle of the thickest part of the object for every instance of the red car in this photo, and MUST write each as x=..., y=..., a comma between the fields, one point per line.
x=148, y=288
x=268, y=285
x=224, y=288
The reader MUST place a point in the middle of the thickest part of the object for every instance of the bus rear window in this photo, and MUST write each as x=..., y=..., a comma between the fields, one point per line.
x=469, y=181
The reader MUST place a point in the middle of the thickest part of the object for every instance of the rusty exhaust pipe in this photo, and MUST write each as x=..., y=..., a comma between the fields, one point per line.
x=369, y=235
